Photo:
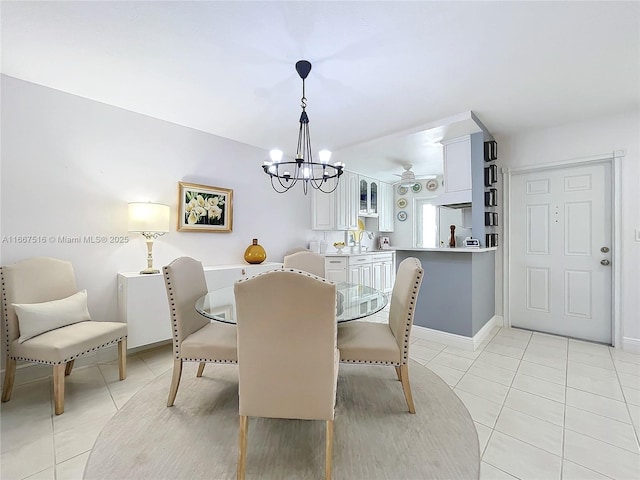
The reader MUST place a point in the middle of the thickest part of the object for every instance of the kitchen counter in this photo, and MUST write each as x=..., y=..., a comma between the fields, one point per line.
x=445, y=250
x=349, y=254
x=457, y=294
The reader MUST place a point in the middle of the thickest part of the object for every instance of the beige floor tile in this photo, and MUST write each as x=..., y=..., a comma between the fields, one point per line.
x=28, y=459
x=510, y=341
x=539, y=387
x=489, y=472
x=575, y=368
x=472, y=354
x=482, y=411
x=502, y=361
x=72, y=469
x=506, y=350
x=627, y=368
x=78, y=439
x=536, y=406
x=598, y=404
x=493, y=373
x=631, y=395
x=573, y=471
x=627, y=380
x=421, y=352
x=450, y=375
x=590, y=348
x=493, y=391
x=601, y=457
x=591, y=359
x=625, y=356
x=541, y=358
x=483, y=436
x=452, y=361
x=15, y=432
x=543, y=372
x=602, y=428
x=607, y=387
x=531, y=430
x=547, y=350
x=47, y=474
x=438, y=347
x=520, y=459
x=544, y=339
x=514, y=333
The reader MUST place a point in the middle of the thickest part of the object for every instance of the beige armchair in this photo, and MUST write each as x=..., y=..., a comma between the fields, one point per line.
x=46, y=321
x=287, y=356
x=306, y=261
x=387, y=343
x=195, y=338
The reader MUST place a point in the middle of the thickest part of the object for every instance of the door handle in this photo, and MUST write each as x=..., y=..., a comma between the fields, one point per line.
x=605, y=262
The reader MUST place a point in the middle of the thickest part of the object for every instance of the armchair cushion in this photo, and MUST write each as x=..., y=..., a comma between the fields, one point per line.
x=37, y=318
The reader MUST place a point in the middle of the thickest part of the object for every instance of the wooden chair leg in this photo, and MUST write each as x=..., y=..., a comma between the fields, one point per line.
x=404, y=378
x=328, y=462
x=122, y=358
x=398, y=373
x=175, y=381
x=242, y=446
x=9, y=377
x=68, y=368
x=58, y=388
x=200, y=369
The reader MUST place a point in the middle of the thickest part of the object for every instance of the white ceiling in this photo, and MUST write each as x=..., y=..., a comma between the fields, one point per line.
x=384, y=74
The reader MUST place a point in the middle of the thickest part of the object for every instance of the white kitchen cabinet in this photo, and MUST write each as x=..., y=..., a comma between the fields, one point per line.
x=369, y=196
x=457, y=170
x=335, y=269
x=383, y=271
x=386, y=214
x=143, y=305
x=337, y=210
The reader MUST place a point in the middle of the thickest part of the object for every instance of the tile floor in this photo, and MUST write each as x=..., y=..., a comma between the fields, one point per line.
x=545, y=407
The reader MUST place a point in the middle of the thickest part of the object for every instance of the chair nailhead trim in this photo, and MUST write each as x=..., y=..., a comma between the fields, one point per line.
x=73, y=357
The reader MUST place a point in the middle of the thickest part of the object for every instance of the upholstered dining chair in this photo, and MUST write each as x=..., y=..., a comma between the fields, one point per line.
x=195, y=338
x=387, y=343
x=306, y=261
x=287, y=355
x=296, y=250
x=46, y=321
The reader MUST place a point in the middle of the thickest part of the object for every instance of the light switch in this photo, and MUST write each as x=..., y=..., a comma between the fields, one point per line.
x=637, y=234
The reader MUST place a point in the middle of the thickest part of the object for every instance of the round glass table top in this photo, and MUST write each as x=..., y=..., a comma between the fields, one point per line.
x=354, y=301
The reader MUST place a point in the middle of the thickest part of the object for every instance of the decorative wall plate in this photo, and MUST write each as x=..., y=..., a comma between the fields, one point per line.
x=402, y=202
x=402, y=215
x=432, y=185
x=416, y=187
x=402, y=189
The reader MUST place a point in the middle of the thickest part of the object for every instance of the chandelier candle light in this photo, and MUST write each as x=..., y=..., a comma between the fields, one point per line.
x=152, y=221
x=285, y=174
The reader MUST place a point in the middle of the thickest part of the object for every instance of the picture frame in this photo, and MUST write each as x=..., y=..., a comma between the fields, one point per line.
x=203, y=208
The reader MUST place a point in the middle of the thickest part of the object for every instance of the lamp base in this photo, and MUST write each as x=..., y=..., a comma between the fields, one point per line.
x=149, y=270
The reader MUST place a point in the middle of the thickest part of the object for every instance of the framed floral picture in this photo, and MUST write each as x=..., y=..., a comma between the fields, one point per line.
x=202, y=208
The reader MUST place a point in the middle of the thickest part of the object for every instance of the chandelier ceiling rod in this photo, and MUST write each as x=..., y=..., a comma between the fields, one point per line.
x=321, y=176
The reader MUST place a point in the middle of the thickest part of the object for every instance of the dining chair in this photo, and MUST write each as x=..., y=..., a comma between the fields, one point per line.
x=387, y=343
x=307, y=261
x=46, y=321
x=195, y=338
x=287, y=355
x=296, y=250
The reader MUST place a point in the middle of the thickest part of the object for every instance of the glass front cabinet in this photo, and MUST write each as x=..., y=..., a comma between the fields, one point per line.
x=368, y=196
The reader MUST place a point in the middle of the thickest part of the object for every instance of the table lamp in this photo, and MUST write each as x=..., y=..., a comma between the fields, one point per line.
x=152, y=221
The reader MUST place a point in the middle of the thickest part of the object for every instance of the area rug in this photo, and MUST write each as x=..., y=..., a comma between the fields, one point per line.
x=375, y=436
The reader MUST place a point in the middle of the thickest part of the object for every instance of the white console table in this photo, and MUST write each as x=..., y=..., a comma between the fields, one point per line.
x=143, y=304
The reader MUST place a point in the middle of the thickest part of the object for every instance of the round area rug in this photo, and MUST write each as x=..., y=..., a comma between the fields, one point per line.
x=375, y=436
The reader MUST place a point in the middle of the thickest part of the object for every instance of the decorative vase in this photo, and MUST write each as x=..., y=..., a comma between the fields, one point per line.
x=255, y=253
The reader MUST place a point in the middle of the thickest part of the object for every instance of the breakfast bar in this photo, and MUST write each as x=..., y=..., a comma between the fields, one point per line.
x=457, y=295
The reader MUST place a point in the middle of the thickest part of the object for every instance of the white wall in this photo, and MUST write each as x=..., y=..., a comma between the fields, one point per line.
x=71, y=165
x=620, y=132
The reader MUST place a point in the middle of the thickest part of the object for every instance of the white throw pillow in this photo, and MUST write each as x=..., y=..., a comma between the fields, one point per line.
x=37, y=318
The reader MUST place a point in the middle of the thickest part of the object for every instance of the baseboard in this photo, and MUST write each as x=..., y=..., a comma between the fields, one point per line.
x=455, y=340
x=631, y=344
x=27, y=372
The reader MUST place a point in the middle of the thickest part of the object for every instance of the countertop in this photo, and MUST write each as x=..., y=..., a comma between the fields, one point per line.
x=349, y=254
x=445, y=250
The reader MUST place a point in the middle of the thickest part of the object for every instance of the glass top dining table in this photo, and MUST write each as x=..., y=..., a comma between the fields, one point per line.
x=354, y=301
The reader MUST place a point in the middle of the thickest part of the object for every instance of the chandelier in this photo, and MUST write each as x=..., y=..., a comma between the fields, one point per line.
x=322, y=175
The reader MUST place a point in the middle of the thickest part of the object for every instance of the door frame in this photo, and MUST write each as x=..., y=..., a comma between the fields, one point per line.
x=614, y=160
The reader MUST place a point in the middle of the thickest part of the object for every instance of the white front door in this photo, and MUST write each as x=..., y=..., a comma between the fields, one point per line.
x=560, y=271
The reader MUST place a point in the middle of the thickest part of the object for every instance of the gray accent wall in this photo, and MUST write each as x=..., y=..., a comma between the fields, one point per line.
x=457, y=294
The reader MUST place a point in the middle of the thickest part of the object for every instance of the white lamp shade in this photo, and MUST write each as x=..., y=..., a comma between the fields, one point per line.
x=148, y=217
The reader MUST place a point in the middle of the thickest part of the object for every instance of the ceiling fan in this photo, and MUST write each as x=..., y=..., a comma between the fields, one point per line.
x=408, y=177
